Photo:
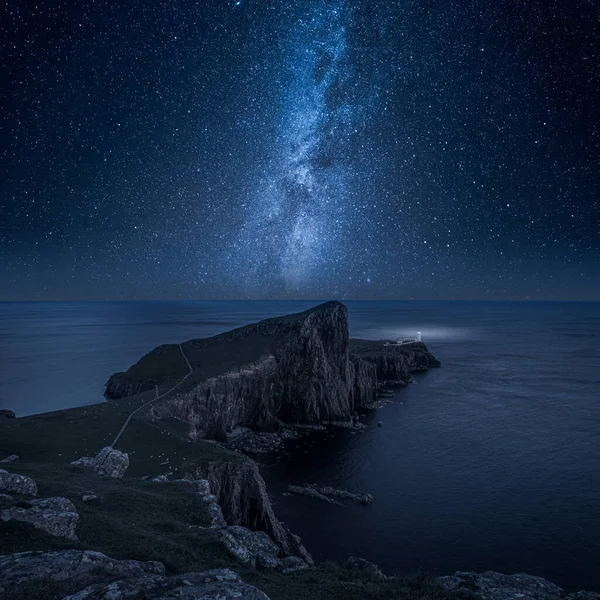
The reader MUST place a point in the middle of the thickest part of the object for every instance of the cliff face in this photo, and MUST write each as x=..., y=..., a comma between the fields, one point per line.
x=299, y=369
x=303, y=376
x=396, y=363
x=242, y=494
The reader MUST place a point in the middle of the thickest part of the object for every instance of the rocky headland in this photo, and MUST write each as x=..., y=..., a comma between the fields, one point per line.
x=176, y=511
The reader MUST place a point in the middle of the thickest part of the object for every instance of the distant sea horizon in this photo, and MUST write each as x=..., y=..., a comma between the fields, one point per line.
x=490, y=462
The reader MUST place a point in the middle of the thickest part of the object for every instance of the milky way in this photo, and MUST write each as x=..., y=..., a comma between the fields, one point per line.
x=299, y=215
x=309, y=149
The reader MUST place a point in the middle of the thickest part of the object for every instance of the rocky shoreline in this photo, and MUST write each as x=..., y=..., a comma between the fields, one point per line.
x=251, y=390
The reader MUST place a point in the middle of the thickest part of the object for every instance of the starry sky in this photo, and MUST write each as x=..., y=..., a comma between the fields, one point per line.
x=441, y=149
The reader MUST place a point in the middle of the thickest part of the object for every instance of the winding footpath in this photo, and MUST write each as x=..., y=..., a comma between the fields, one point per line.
x=121, y=431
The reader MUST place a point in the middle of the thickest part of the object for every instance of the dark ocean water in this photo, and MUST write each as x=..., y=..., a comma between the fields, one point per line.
x=491, y=462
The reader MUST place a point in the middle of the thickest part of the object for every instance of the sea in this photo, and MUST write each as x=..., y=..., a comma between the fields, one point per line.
x=491, y=462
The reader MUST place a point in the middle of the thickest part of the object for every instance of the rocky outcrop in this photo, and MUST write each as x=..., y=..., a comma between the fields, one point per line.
x=325, y=492
x=17, y=484
x=56, y=516
x=201, y=487
x=363, y=568
x=6, y=414
x=294, y=370
x=497, y=586
x=10, y=460
x=242, y=495
x=218, y=584
x=290, y=370
x=396, y=363
x=69, y=565
x=254, y=549
x=108, y=462
x=365, y=383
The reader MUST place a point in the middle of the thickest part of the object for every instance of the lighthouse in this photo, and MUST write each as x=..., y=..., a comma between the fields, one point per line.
x=418, y=336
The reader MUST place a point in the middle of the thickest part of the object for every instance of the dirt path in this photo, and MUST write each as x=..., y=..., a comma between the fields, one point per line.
x=154, y=399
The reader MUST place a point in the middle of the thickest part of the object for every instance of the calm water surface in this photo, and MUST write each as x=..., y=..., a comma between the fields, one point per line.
x=491, y=462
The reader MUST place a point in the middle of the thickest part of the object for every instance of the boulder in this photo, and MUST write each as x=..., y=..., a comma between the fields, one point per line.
x=217, y=584
x=17, y=484
x=109, y=462
x=89, y=497
x=56, y=516
x=10, y=460
x=364, y=568
x=77, y=565
x=290, y=564
x=241, y=493
x=497, y=586
x=6, y=414
x=254, y=549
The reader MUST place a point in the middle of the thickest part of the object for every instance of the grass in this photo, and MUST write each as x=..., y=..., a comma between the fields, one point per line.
x=136, y=519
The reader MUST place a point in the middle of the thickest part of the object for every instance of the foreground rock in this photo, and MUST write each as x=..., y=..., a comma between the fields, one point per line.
x=56, y=516
x=17, y=484
x=75, y=565
x=363, y=568
x=10, y=460
x=254, y=549
x=6, y=414
x=497, y=586
x=218, y=584
x=241, y=493
x=108, y=462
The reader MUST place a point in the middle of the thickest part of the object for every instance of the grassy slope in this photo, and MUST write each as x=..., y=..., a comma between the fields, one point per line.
x=136, y=519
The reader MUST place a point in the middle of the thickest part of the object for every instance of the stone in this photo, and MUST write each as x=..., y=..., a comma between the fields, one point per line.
x=10, y=460
x=6, y=497
x=77, y=565
x=108, y=462
x=160, y=479
x=312, y=493
x=291, y=564
x=17, y=484
x=89, y=497
x=364, y=568
x=56, y=516
x=6, y=414
x=497, y=586
x=380, y=424
x=254, y=549
x=218, y=584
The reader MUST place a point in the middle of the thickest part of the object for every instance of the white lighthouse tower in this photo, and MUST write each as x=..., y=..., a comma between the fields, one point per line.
x=418, y=336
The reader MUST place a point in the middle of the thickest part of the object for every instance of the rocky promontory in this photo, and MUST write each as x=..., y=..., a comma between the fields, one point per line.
x=301, y=369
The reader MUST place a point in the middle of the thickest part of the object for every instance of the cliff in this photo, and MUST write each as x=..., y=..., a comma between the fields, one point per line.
x=242, y=494
x=394, y=363
x=291, y=370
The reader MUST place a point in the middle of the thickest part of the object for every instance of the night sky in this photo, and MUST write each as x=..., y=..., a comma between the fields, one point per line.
x=305, y=149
